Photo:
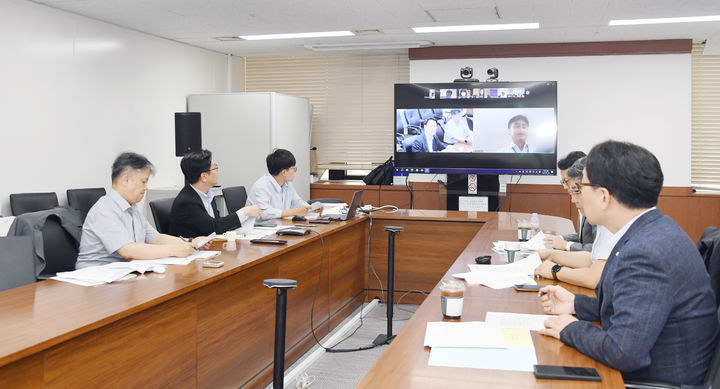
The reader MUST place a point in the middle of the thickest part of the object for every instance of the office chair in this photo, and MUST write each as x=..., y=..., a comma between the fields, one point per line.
x=709, y=248
x=59, y=247
x=16, y=262
x=161, y=214
x=84, y=199
x=32, y=202
x=235, y=198
x=412, y=116
x=427, y=113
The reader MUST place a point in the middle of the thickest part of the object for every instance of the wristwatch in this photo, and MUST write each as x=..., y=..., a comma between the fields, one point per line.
x=554, y=271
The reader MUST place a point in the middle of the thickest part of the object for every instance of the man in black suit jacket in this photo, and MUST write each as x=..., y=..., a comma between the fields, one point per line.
x=194, y=212
x=428, y=138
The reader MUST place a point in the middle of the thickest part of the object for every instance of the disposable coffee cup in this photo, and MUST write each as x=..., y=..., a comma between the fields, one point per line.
x=523, y=231
x=231, y=243
x=451, y=299
x=231, y=236
x=511, y=249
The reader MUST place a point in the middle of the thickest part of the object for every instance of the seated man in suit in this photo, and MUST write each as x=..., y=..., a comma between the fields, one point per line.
x=115, y=230
x=583, y=240
x=194, y=212
x=428, y=141
x=274, y=192
x=654, y=302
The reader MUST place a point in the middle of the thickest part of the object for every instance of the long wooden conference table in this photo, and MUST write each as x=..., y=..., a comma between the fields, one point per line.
x=214, y=328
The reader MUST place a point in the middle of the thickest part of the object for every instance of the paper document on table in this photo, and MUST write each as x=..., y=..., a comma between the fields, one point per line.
x=495, y=280
x=463, y=334
x=518, y=358
x=333, y=209
x=517, y=320
x=317, y=205
x=94, y=275
x=200, y=254
x=524, y=266
x=537, y=242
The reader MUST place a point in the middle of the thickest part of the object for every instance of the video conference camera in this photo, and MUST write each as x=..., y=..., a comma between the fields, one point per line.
x=466, y=74
x=494, y=73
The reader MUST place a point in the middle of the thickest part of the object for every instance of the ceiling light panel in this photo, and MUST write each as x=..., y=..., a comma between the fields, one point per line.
x=685, y=19
x=478, y=27
x=297, y=35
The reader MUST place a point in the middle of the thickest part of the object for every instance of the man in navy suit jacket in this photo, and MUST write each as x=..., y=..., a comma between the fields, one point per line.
x=428, y=141
x=654, y=300
x=194, y=212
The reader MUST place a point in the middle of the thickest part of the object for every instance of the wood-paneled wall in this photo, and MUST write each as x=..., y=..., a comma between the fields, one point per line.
x=692, y=211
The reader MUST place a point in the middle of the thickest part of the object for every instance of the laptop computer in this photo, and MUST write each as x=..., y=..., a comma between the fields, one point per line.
x=354, y=204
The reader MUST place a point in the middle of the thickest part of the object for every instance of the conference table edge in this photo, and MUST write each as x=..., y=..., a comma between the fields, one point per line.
x=61, y=336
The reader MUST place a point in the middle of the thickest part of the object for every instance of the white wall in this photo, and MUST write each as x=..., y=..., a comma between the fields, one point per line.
x=75, y=92
x=644, y=99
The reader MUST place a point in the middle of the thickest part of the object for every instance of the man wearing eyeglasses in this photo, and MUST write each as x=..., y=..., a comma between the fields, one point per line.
x=577, y=267
x=654, y=302
x=583, y=240
x=194, y=212
x=274, y=192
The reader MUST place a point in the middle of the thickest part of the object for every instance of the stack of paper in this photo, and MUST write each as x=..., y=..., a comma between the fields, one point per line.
x=479, y=345
x=517, y=320
x=503, y=276
x=536, y=243
x=463, y=334
x=121, y=270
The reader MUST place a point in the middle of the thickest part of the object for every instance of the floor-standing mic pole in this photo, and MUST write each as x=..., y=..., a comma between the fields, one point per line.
x=282, y=286
x=388, y=337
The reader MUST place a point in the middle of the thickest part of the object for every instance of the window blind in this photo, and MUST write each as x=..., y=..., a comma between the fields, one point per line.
x=705, y=159
x=352, y=98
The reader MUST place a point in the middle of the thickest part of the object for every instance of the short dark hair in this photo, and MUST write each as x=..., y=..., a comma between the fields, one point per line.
x=279, y=160
x=575, y=172
x=565, y=163
x=517, y=118
x=629, y=172
x=194, y=164
x=128, y=160
x=425, y=122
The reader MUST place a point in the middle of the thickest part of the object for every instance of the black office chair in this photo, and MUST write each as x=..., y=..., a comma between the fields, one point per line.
x=161, y=214
x=32, y=202
x=16, y=262
x=84, y=199
x=59, y=247
x=235, y=198
x=709, y=248
x=412, y=116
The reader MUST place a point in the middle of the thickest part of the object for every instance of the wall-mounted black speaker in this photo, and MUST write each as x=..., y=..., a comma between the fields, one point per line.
x=187, y=133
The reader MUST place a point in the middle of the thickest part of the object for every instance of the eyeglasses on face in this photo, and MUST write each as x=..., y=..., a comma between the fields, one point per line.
x=217, y=167
x=576, y=187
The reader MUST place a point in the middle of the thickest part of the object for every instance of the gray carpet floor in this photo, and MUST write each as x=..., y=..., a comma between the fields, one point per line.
x=346, y=370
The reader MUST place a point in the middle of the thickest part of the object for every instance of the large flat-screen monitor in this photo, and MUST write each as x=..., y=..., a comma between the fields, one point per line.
x=476, y=127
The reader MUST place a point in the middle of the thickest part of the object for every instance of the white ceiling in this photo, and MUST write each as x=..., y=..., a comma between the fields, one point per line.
x=198, y=22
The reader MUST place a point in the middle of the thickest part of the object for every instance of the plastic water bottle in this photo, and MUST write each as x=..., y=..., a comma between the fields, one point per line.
x=534, y=223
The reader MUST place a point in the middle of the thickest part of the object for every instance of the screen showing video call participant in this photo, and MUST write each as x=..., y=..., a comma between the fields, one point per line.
x=457, y=129
x=428, y=141
x=518, y=127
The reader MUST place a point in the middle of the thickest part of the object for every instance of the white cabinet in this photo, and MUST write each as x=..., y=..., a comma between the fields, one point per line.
x=241, y=129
